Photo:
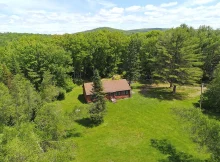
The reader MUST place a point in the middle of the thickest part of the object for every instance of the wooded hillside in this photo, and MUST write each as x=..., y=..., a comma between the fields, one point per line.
x=37, y=70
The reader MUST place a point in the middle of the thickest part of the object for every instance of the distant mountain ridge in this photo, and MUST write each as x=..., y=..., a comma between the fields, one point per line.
x=142, y=30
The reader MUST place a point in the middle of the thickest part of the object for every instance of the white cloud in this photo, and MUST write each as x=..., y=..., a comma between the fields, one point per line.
x=2, y=6
x=112, y=12
x=133, y=8
x=170, y=4
x=150, y=7
x=50, y=18
x=200, y=2
x=104, y=3
x=117, y=10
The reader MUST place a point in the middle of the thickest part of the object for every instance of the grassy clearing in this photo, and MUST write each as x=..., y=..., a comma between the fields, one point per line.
x=130, y=124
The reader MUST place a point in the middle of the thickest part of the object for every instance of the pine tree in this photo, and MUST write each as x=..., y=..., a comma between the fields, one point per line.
x=178, y=58
x=97, y=110
x=132, y=60
x=209, y=48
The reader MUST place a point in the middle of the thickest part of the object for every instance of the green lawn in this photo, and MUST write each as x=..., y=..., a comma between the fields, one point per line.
x=131, y=123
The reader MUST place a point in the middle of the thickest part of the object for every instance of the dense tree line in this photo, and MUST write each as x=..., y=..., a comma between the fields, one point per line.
x=36, y=70
x=172, y=55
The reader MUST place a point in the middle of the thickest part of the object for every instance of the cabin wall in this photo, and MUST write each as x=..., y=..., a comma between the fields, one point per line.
x=121, y=96
x=109, y=96
x=87, y=97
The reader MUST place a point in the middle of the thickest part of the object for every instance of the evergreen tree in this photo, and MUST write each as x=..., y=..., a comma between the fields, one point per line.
x=148, y=53
x=132, y=59
x=97, y=110
x=178, y=58
x=211, y=99
x=209, y=48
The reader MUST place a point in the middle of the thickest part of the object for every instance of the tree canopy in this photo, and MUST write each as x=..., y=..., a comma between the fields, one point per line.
x=36, y=70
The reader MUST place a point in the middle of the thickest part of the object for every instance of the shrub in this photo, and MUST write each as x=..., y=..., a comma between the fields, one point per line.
x=69, y=85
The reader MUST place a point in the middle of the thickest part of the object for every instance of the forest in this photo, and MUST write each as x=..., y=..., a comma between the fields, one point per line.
x=38, y=71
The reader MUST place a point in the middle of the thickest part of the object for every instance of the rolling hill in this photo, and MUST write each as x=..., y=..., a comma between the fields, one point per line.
x=142, y=30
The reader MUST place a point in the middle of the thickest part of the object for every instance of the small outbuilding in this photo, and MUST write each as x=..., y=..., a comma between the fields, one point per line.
x=114, y=89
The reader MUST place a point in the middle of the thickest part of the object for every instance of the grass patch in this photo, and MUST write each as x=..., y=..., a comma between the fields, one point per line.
x=130, y=124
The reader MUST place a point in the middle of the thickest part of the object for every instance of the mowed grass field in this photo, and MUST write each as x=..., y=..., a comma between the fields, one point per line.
x=131, y=123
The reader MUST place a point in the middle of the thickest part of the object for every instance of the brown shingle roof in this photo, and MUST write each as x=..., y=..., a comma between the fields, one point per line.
x=109, y=86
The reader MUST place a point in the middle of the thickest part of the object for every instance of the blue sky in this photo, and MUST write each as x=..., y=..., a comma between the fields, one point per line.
x=70, y=16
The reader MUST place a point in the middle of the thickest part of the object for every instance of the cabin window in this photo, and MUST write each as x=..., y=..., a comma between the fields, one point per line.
x=118, y=93
x=126, y=92
x=123, y=93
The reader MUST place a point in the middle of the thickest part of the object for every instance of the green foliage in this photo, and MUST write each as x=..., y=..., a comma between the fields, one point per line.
x=148, y=53
x=203, y=130
x=97, y=110
x=77, y=55
x=5, y=75
x=209, y=48
x=48, y=90
x=6, y=106
x=132, y=59
x=26, y=100
x=116, y=77
x=21, y=144
x=36, y=70
x=35, y=55
x=49, y=121
x=178, y=58
x=59, y=151
x=211, y=97
x=69, y=85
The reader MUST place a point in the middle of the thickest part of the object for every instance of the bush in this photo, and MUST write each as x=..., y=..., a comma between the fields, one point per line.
x=69, y=85
x=116, y=77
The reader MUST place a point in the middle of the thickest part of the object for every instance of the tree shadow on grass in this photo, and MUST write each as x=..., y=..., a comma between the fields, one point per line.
x=196, y=104
x=212, y=114
x=173, y=155
x=161, y=93
x=81, y=98
x=86, y=122
x=72, y=133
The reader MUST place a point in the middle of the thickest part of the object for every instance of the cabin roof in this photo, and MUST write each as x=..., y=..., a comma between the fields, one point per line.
x=109, y=86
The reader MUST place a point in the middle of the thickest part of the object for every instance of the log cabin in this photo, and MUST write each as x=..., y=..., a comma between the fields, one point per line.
x=114, y=89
